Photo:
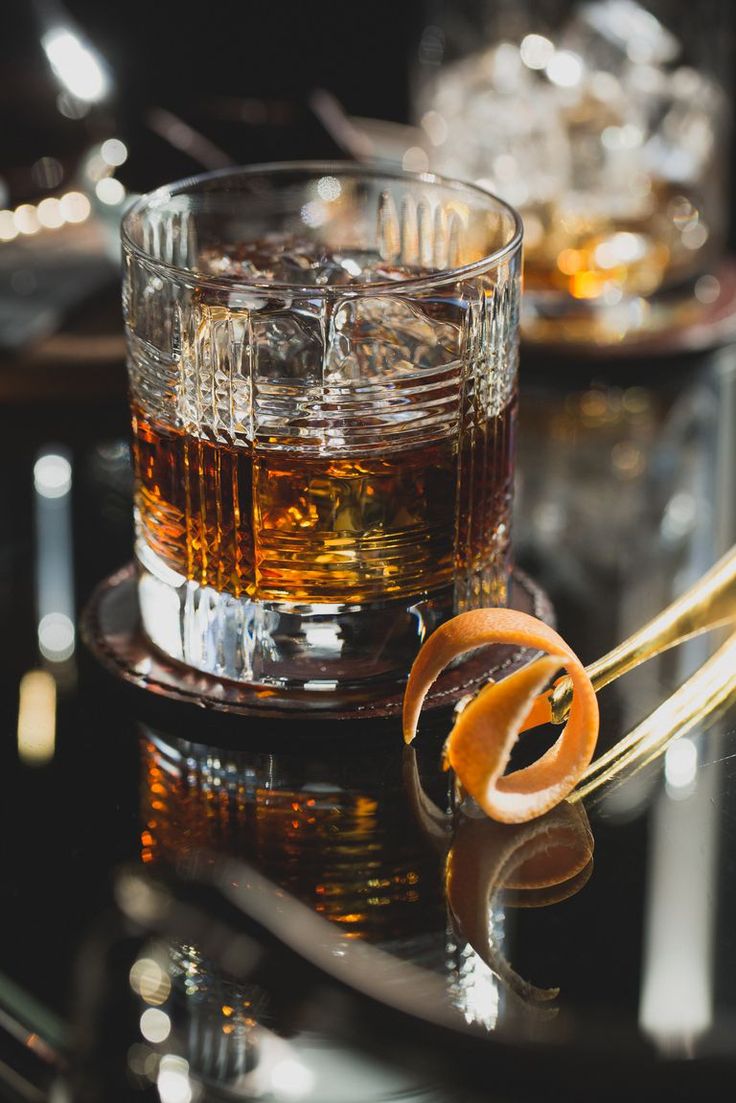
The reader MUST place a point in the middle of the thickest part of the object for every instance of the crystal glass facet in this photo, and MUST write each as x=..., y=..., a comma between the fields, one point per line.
x=323, y=366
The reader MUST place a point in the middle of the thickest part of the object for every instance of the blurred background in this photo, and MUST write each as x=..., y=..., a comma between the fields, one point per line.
x=606, y=123
x=100, y=102
x=244, y=77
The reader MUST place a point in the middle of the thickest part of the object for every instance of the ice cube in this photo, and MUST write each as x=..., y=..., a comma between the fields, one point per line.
x=248, y=262
x=283, y=259
x=287, y=349
x=379, y=338
x=514, y=144
x=500, y=68
x=686, y=116
x=287, y=346
x=393, y=370
x=610, y=34
x=606, y=135
x=459, y=86
x=504, y=68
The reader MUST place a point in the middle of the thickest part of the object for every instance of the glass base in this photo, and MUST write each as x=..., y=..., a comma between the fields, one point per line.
x=309, y=647
x=111, y=628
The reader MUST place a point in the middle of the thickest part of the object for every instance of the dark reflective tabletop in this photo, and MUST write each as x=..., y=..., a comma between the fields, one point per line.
x=605, y=929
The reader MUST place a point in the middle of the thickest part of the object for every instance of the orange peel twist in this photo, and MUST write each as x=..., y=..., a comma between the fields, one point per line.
x=480, y=744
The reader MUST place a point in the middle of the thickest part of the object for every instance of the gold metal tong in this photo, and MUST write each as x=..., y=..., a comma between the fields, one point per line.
x=712, y=686
x=709, y=603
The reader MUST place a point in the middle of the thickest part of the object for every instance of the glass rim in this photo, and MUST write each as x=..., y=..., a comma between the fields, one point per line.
x=149, y=201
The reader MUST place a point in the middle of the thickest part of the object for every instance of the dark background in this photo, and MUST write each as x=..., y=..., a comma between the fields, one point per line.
x=203, y=61
x=242, y=73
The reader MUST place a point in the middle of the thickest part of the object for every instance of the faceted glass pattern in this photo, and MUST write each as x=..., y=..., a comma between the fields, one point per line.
x=323, y=368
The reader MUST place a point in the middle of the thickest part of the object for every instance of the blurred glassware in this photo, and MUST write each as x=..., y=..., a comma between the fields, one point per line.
x=605, y=123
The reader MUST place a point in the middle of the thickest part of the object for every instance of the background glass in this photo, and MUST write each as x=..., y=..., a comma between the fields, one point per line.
x=323, y=384
x=606, y=124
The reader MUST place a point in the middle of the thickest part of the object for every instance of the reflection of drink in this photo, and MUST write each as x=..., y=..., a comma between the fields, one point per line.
x=335, y=831
x=349, y=850
x=323, y=381
x=284, y=525
x=357, y=839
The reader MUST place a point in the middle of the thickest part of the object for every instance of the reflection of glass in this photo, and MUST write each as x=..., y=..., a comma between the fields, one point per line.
x=362, y=844
x=323, y=376
x=328, y=832
x=605, y=124
x=332, y=832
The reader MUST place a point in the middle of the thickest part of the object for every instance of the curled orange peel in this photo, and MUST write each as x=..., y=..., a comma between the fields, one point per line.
x=480, y=744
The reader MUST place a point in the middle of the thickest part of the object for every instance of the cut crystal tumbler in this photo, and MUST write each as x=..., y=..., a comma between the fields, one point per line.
x=323, y=366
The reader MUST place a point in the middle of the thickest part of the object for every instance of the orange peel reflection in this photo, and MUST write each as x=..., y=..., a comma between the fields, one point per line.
x=533, y=865
x=530, y=865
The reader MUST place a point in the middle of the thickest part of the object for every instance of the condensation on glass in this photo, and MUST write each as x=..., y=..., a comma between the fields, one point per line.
x=323, y=367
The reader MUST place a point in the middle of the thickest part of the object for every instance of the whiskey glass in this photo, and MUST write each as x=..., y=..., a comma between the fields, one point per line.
x=322, y=366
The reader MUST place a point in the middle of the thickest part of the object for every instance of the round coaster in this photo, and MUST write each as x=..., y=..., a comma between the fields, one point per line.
x=111, y=629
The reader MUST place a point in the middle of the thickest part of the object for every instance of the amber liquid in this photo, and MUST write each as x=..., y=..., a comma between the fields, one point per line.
x=580, y=252
x=283, y=525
